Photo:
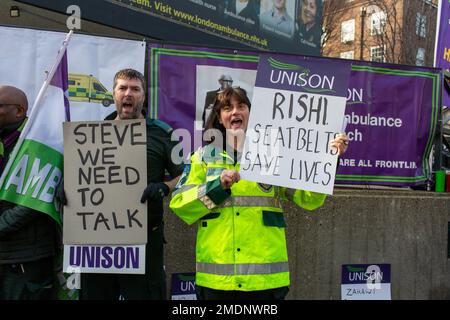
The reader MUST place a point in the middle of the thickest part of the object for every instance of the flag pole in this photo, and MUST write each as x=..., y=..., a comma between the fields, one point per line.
x=47, y=81
x=39, y=97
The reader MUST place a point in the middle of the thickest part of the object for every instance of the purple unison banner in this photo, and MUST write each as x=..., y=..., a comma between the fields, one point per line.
x=391, y=110
x=391, y=119
x=442, y=57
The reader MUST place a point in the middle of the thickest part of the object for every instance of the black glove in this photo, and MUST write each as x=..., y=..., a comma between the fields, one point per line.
x=155, y=192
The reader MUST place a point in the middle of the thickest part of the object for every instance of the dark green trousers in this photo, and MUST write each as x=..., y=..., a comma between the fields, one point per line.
x=28, y=281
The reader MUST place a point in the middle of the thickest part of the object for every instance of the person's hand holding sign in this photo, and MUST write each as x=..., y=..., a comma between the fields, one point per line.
x=340, y=142
x=155, y=192
x=228, y=177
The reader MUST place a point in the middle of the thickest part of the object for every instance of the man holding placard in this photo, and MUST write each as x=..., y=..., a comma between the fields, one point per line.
x=129, y=97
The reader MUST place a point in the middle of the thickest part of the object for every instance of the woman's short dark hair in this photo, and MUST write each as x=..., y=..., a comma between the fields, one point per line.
x=223, y=98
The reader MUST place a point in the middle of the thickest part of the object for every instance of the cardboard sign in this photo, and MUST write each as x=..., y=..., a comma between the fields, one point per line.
x=297, y=109
x=105, y=173
x=366, y=282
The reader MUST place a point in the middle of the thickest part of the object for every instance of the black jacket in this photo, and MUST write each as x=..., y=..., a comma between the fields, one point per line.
x=25, y=234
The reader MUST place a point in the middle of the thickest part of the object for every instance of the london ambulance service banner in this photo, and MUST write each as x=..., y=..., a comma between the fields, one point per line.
x=298, y=107
x=391, y=110
x=290, y=26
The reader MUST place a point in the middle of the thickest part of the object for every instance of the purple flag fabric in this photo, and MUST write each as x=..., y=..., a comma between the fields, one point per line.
x=61, y=80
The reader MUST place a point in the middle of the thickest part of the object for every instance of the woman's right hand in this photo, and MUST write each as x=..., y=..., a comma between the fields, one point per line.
x=228, y=177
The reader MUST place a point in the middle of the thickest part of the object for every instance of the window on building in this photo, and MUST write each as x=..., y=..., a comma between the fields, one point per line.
x=377, y=23
x=377, y=54
x=348, y=30
x=420, y=57
x=347, y=55
x=421, y=25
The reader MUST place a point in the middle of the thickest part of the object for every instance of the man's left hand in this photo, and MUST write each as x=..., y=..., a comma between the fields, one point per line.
x=155, y=192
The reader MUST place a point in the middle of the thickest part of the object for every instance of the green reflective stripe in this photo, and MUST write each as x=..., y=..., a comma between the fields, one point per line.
x=183, y=189
x=262, y=268
x=251, y=201
x=201, y=195
x=242, y=268
x=77, y=94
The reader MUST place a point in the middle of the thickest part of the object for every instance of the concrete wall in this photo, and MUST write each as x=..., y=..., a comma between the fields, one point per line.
x=407, y=229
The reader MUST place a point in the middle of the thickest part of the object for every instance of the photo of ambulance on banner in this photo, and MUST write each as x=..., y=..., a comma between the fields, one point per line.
x=391, y=130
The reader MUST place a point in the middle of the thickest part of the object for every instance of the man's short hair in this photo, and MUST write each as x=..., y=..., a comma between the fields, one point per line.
x=129, y=74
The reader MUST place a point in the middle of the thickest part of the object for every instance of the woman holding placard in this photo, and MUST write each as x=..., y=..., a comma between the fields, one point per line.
x=241, y=245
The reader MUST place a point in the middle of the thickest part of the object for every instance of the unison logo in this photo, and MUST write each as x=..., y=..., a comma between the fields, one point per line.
x=298, y=76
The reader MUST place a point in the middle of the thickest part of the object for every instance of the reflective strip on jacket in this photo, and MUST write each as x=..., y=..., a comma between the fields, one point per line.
x=241, y=242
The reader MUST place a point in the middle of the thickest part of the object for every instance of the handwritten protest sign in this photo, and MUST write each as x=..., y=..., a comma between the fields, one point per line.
x=105, y=172
x=297, y=109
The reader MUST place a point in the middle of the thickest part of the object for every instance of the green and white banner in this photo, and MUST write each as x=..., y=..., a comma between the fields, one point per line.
x=33, y=177
x=35, y=166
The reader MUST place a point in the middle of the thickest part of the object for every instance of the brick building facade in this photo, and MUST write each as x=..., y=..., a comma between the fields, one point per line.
x=395, y=31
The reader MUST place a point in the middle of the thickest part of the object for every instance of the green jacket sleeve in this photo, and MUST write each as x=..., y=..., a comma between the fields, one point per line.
x=193, y=197
x=307, y=200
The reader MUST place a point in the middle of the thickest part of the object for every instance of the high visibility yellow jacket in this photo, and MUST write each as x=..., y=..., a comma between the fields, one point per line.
x=241, y=242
